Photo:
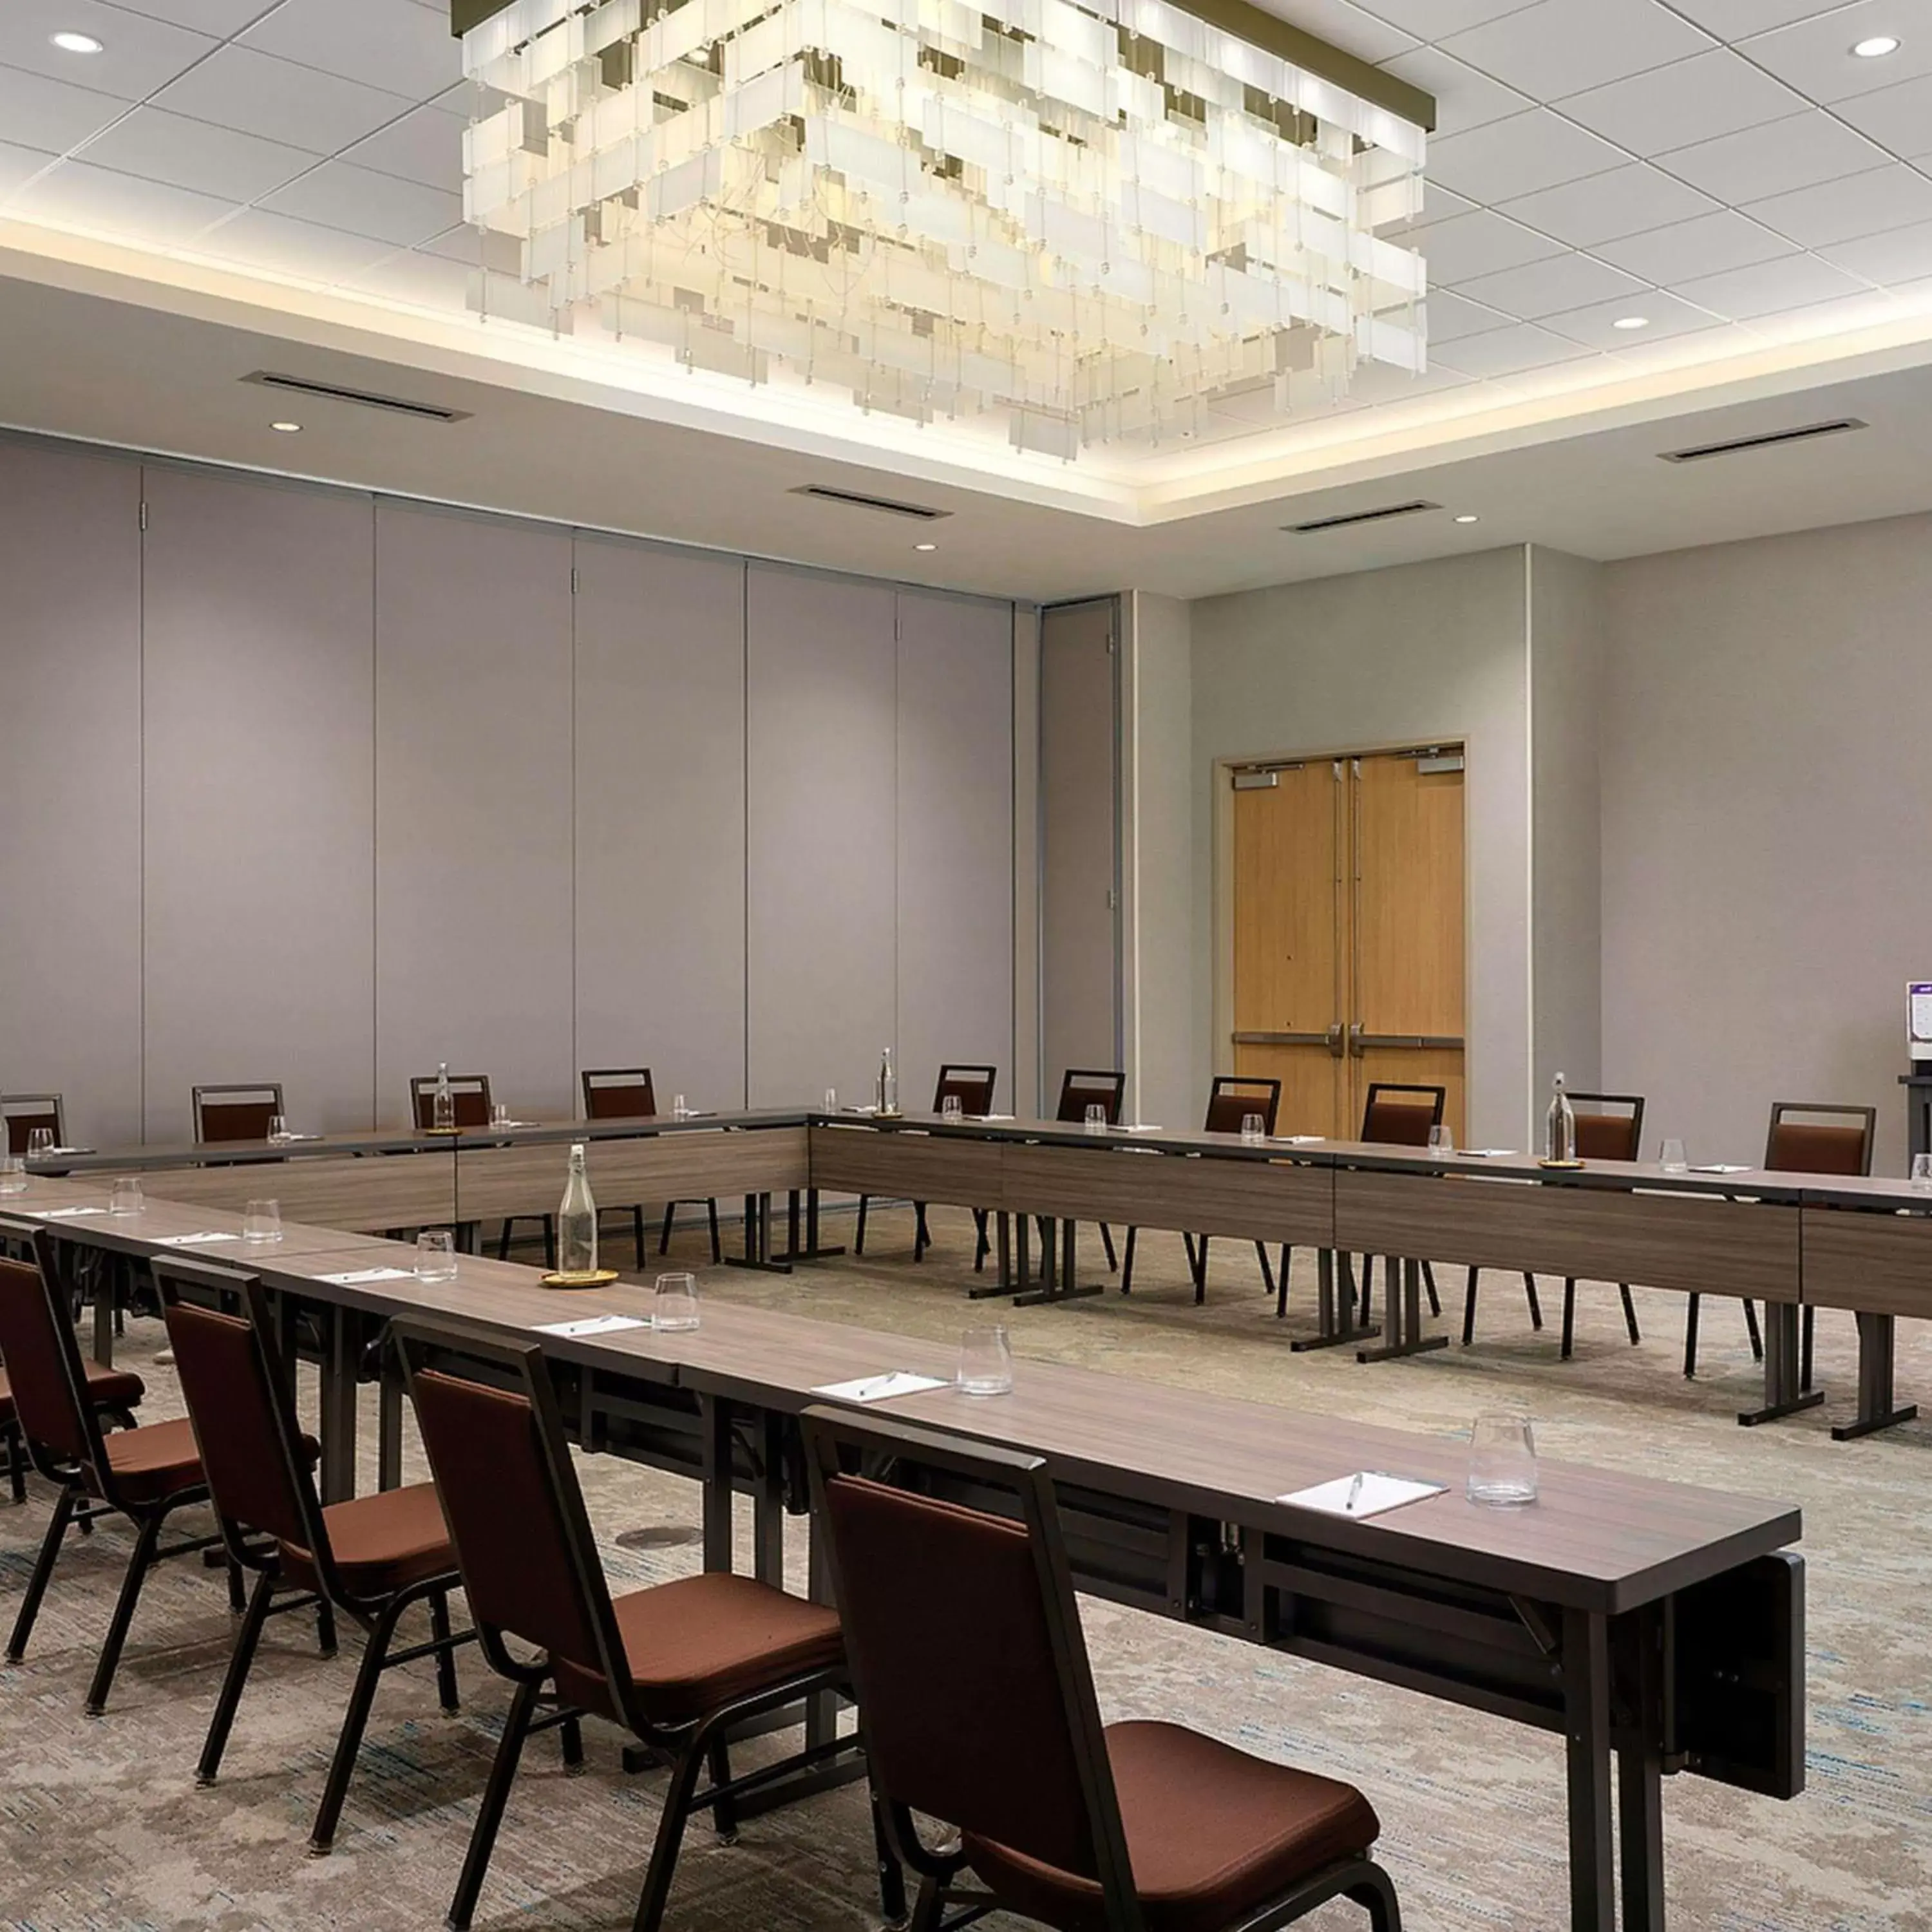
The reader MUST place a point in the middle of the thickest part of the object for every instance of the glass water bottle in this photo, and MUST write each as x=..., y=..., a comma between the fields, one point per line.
x=577, y=1221
x=1559, y=1128
x=442, y=1108
x=888, y=1084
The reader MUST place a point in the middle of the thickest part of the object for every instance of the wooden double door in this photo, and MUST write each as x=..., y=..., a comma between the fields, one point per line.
x=1348, y=931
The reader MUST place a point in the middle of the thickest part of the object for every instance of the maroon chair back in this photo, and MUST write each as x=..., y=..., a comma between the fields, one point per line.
x=1234, y=1096
x=1602, y=1135
x=43, y=1358
x=619, y=1093
x=973, y=1085
x=470, y=1091
x=24, y=1112
x=1833, y=1145
x=1084, y=1087
x=1396, y=1114
x=236, y=1113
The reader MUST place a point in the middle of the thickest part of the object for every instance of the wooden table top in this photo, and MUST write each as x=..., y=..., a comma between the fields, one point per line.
x=144, y=1232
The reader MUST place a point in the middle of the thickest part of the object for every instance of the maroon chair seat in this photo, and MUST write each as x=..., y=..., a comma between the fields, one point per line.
x=153, y=1462
x=385, y=1542
x=114, y=1393
x=1212, y=1834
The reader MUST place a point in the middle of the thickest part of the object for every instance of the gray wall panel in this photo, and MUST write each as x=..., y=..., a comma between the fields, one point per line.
x=70, y=786
x=956, y=829
x=259, y=961
x=474, y=927
x=821, y=735
x=661, y=817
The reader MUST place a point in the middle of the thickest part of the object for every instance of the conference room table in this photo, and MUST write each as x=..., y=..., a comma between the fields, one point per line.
x=1658, y=1628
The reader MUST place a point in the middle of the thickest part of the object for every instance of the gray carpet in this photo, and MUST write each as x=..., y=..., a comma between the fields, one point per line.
x=101, y=1826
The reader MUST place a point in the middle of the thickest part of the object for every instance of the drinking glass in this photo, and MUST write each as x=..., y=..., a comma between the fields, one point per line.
x=13, y=1174
x=261, y=1221
x=985, y=1362
x=831, y=1099
x=952, y=1109
x=1096, y=1118
x=675, y=1309
x=679, y=1111
x=125, y=1198
x=278, y=1127
x=499, y=1113
x=1252, y=1127
x=1502, y=1460
x=1921, y=1172
x=39, y=1143
x=1674, y=1159
x=1441, y=1140
x=436, y=1254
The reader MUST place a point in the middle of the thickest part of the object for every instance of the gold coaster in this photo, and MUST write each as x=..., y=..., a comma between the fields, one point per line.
x=582, y=1278
x=1565, y=1165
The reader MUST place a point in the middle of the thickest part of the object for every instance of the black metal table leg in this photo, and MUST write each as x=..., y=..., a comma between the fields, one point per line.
x=389, y=1431
x=1783, y=1395
x=715, y=1426
x=1640, y=1772
x=339, y=1335
x=1056, y=1280
x=1402, y=1297
x=1336, y=1315
x=758, y=1253
x=1586, y=1691
x=1877, y=1408
x=107, y=1299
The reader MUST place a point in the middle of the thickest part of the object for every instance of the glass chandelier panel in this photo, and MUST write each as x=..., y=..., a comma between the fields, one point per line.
x=1086, y=219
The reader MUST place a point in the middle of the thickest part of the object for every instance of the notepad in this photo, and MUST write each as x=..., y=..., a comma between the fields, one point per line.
x=1722, y=1167
x=1379, y=1492
x=64, y=1213
x=45, y=1152
x=882, y=1387
x=201, y=1241
x=591, y=1324
x=1297, y=1140
x=355, y=1277
x=1136, y=1127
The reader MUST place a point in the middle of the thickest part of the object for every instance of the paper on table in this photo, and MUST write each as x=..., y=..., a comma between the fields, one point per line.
x=1723, y=1167
x=1378, y=1492
x=355, y=1277
x=1486, y=1154
x=67, y=1151
x=195, y=1241
x=1297, y=1140
x=1137, y=1127
x=591, y=1324
x=881, y=1388
x=63, y=1213
x=985, y=1116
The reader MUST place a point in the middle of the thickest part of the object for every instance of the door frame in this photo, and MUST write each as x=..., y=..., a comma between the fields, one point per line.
x=1222, y=782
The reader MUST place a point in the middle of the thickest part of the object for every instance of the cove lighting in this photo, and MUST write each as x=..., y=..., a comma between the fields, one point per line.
x=1876, y=48
x=77, y=44
x=1080, y=219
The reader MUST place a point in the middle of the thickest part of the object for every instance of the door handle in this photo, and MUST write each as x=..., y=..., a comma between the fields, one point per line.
x=1334, y=1039
x=1361, y=1040
x=1355, y=1038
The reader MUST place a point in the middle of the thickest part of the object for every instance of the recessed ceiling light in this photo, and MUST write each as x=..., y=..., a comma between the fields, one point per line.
x=1877, y=47
x=1467, y=517
x=77, y=44
x=286, y=428
x=1631, y=322
x=926, y=546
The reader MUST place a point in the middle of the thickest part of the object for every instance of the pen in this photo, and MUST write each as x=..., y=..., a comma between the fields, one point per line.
x=1355, y=1495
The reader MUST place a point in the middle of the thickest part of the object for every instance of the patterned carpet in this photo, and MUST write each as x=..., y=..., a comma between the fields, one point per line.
x=101, y=1826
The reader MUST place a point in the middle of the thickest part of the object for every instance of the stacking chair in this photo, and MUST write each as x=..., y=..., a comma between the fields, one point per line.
x=24, y=1112
x=1603, y=1133
x=626, y=1094
x=980, y=1714
x=1231, y=1100
x=236, y=1113
x=973, y=1087
x=372, y=1558
x=114, y=1393
x=1832, y=1139
x=1084, y=1087
x=470, y=1093
x=679, y=1665
x=145, y=1473
x=1396, y=1113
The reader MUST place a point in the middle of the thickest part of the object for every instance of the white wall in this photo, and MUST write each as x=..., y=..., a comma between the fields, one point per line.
x=363, y=784
x=1767, y=828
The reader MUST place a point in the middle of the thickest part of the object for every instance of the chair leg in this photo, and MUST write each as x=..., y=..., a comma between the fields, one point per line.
x=503, y=1239
x=717, y=1246
x=1569, y=1315
x=355, y=1721
x=1806, y=1333
x=670, y=1218
x=1429, y=1283
x=982, y=1244
x=724, y=1813
x=324, y=1626
x=1127, y=1263
x=1368, y=1286
x=1535, y=1305
x=1376, y=1895
x=859, y=1239
x=1201, y=1270
x=16, y=1461
x=1751, y=1329
x=489, y=1813
x=1469, y=1309
x=570, y=1737
x=1630, y=1313
x=1281, y=1282
x=43, y=1568
x=139, y=1565
x=651, y=1902
x=929, y=1913
x=241, y=1661
x=1267, y=1268
x=445, y=1658
x=640, y=1234
x=922, y=1235
x=1107, y=1243
x=1690, y=1338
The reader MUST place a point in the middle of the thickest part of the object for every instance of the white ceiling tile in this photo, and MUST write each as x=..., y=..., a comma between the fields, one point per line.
x=1603, y=208
x=100, y=201
x=1518, y=156
x=402, y=213
x=1451, y=317
x=1897, y=118
x=461, y=100
x=1464, y=98
x=1696, y=99
x=1562, y=46
x=1895, y=197
x=1704, y=247
x=197, y=154
x=1480, y=244
x=137, y=54
x=1434, y=19
x=1736, y=20
x=1546, y=288
x=1504, y=351
x=297, y=248
x=1891, y=260
x=1438, y=205
x=426, y=146
x=236, y=87
x=37, y=112
x=1769, y=288
x=1596, y=326
x=18, y=165
x=426, y=281
x=403, y=49
x=474, y=248
x=1775, y=158
x=1816, y=55
x=218, y=17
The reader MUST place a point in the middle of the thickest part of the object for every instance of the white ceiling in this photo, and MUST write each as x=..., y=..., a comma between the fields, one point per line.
x=1726, y=169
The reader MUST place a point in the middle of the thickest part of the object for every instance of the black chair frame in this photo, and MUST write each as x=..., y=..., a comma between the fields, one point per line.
x=21, y=1113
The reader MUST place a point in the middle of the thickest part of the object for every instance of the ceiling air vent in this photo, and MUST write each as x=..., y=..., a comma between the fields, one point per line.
x=853, y=500
x=400, y=406
x=1382, y=516
x=1770, y=439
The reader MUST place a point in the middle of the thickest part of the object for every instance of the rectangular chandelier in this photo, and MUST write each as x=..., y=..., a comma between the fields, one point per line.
x=1086, y=220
